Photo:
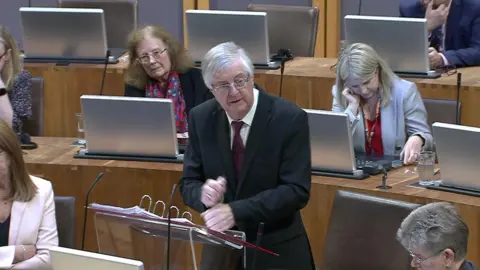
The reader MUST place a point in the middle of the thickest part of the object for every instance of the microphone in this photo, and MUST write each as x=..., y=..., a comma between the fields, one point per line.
x=457, y=111
x=107, y=57
x=169, y=224
x=100, y=175
x=258, y=243
x=359, y=11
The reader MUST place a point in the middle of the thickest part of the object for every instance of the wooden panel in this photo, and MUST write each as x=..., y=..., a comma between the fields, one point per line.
x=332, y=27
x=203, y=4
x=320, y=42
x=187, y=4
x=125, y=182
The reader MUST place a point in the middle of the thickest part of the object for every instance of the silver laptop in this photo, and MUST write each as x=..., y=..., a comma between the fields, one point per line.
x=208, y=28
x=401, y=42
x=127, y=126
x=331, y=142
x=458, y=152
x=72, y=259
x=63, y=35
x=120, y=19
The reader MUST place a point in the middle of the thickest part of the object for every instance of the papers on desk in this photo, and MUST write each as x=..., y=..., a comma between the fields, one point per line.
x=135, y=211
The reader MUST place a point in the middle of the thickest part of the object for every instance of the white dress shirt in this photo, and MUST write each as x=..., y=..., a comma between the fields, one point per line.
x=247, y=121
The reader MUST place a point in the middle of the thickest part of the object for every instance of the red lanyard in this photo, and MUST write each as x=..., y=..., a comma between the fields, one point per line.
x=370, y=133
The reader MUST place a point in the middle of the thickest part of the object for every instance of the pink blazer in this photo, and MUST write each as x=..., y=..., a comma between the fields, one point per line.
x=32, y=223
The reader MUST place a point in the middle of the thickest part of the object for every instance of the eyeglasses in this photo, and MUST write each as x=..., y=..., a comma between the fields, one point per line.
x=239, y=83
x=418, y=260
x=156, y=54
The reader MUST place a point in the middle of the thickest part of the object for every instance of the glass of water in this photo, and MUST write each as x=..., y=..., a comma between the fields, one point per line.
x=80, y=129
x=425, y=168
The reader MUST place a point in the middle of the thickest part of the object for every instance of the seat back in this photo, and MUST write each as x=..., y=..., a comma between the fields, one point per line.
x=442, y=110
x=362, y=233
x=290, y=27
x=34, y=125
x=65, y=214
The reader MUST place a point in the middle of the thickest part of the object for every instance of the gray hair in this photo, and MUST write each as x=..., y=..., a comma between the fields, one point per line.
x=221, y=57
x=362, y=61
x=434, y=227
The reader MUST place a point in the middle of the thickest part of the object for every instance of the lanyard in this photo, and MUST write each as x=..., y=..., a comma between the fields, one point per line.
x=370, y=133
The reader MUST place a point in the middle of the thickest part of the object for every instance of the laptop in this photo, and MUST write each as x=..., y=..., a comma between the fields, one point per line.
x=129, y=128
x=120, y=20
x=332, y=149
x=401, y=42
x=64, y=35
x=72, y=259
x=208, y=28
x=458, y=152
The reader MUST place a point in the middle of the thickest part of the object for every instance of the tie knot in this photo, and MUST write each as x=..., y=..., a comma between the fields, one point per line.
x=237, y=125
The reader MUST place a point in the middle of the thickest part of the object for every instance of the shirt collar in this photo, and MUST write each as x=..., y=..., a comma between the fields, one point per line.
x=248, y=119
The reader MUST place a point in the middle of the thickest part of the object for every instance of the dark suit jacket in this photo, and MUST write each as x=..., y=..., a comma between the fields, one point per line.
x=194, y=90
x=274, y=183
x=462, y=42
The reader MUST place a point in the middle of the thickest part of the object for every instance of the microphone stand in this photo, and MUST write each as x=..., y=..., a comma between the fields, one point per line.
x=457, y=111
x=107, y=57
x=100, y=176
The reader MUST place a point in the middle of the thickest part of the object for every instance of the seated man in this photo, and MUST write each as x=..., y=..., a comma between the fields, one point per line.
x=436, y=237
x=454, y=29
x=248, y=161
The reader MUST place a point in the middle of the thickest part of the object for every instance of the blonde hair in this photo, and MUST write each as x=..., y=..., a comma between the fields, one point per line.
x=135, y=74
x=13, y=67
x=22, y=187
x=362, y=62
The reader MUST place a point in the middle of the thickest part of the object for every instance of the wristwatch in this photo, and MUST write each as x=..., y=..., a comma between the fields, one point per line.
x=3, y=91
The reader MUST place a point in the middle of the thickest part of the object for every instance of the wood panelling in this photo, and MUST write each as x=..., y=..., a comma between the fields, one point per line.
x=321, y=27
x=332, y=25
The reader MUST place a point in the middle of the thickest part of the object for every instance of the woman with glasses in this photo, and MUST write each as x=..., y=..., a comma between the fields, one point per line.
x=15, y=84
x=159, y=67
x=386, y=113
x=436, y=237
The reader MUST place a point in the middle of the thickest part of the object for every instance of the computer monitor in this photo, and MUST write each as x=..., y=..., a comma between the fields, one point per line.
x=120, y=19
x=128, y=127
x=72, y=259
x=64, y=35
x=458, y=152
x=401, y=42
x=208, y=28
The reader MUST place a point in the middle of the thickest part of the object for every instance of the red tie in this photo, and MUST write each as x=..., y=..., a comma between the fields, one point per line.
x=238, y=149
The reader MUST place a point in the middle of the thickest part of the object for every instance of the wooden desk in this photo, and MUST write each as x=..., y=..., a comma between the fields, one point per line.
x=125, y=182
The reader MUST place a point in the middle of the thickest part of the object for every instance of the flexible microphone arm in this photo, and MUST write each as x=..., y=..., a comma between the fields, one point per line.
x=100, y=175
x=258, y=243
x=359, y=11
x=457, y=111
x=107, y=57
x=169, y=224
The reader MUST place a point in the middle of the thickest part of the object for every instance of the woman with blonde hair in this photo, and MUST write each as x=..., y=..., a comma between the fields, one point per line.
x=15, y=84
x=387, y=114
x=160, y=67
x=28, y=227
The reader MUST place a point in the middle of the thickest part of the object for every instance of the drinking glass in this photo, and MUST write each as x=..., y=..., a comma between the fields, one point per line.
x=80, y=129
x=425, y=168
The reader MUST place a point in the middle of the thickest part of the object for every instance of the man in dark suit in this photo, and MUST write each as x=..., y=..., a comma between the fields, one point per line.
x=454, y=29
x=248, y=161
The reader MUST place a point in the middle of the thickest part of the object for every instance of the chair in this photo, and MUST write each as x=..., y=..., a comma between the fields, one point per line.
x=34, y=125
x=362, y=233
x=65, y=214
x=121, y=17
x=290, y=27
x=442, y=110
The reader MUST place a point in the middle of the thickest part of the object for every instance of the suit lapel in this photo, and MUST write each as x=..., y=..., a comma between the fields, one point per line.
x=16, y=218
x=255, y=136
x=223, y=138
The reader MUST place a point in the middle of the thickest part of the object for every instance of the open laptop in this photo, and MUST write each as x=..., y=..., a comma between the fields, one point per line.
x=72, y=259
x=458, y=152
x=332, y=149
x=120, y=20
x=129, y=128
x=401, y=42
x=64, y=35
x=208, y=28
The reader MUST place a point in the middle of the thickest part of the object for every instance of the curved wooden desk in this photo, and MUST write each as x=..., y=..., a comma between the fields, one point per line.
x=126, y=181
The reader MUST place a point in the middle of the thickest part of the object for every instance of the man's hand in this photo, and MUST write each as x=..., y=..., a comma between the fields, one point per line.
x=213, y=190
x=435, y=58
x=219, y=218
x=436, y=17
